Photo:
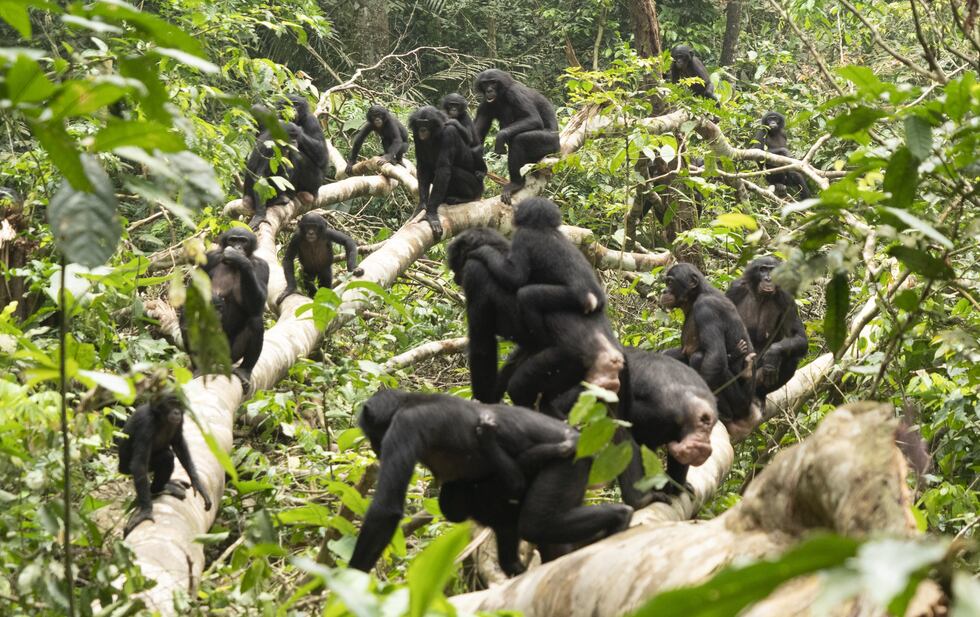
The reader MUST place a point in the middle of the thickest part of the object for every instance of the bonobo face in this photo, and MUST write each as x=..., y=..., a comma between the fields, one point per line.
x=453, y=111
x=681, y=282
x=423, y=130
x=239, y=239
x=310, y=233
x=760, y=275
x=681, y=56
x=700, y=417
x=490, y=89
x=773, y=121
x=376, y=121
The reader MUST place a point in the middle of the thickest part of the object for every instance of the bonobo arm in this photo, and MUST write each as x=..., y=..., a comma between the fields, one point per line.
x=395, y=136
x=526, y=116
x=310, y=140
x=794, y=342
x=443, y=168
x=399, y=453
x=212, y=259
x=481, y=321
x=711, y=334
x=737, y=292
x=506, y=467
x=254, y=276
x=355, y=148
x=289, y=265
x=184, y=456
x=425, y=174
x=482, y=122
x=350, y=247
x=141, y=447
x=511, y=271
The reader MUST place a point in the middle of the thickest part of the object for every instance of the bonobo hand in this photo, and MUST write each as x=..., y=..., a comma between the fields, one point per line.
x=292, y=130
x=389, y=158
x=207, y=499
x=435, y=224
x=500, y=144
x=231, y=255
x=769, y=372
x=138, y=517
x=287, y=292
x=349, y=170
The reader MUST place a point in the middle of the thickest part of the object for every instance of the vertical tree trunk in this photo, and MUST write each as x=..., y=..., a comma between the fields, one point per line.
x=374, y=33
x=733, y=26
x=646, y=27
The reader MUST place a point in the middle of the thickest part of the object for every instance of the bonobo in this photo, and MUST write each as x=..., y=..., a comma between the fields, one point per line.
x=393, y=134
x=313, y=244
x=456, y=108
x=239, y=286
x=773, y=323
x=153, y=435
x=457, y=440
x=580, y=347
x=685, y=64
x=306, y=158
x=771, y=137
x=715, y=343
x=528, y=125
x=446, y=165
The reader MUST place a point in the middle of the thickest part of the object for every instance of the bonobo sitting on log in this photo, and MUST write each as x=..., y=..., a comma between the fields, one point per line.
x=521, y=456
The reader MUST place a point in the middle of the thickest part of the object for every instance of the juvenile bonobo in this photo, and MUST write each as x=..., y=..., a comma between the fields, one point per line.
x=771, y=137
x=393, y=134
x=153, y=435
x=773, y=323
x=305, y=160
x=715, y=343
x=685, y=64
x=578, y=347
x=239, y=286
x=528, y=125
x=446, y=165
x=450, y=436
x=313, y=244
x=456, y=108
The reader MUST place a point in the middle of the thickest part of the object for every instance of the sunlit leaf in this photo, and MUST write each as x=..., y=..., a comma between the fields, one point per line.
x=736, y=220
x=835, y=318
x=84, y=224
x=611, y=462
x=918, y=224
x=922, y=262
x=595, y=436
x=206, y=342
x=15, y=13
x=148, y=135
x=432, y=568
x=314, y=515
x=26, y=82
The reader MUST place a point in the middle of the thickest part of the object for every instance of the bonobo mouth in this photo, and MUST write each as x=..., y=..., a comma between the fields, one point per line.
x=691, y=451
x=767, y=287
x=490, y=97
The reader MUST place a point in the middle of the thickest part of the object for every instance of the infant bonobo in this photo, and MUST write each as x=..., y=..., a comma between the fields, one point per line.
x=153, y=435
x=313, y=244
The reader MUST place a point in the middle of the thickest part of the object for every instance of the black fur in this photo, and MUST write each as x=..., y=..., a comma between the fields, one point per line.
x=685, y=64
x=771, y=136
x=313, y=244
x=393, y=134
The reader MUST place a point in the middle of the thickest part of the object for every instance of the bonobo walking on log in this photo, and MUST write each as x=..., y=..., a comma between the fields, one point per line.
x=239, y=286
x=446, y=165
x=528, y=125
x=771, y=137
x=393, y=134
x=153, y=435
x=685, y=64
x=715, y=343
x=313, y=244
x=304, y=166
x=466, y=442
x=773, y=323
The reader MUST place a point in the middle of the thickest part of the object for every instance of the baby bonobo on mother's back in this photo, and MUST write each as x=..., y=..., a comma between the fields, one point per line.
x=153, y=435
x=526, y=455
x=313, y=244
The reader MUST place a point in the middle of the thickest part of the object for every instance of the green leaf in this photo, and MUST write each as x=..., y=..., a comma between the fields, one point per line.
x=15, y=13
x=432, y=569
x=148, y=135
x=312, y=514
x=121, y=387
x=191, y=60
x=966, y=595
x=352, y=587
x=919, y=225
x=835, y=318
x=62, y=152
x=219, y=453
x=902, y=177
x=733, y=589
x=922, y=262
x=959, y=96
x=855, y=121
x=907, y=300
x=206, y=342
x=78, y=98
x=594, y=437
x=84, y=223
x=918, y=137
x=736, y=220
x=26, y=82
x=610, y=462
x=158, y=30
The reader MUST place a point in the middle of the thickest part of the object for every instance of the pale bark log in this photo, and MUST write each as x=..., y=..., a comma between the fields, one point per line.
x=847, y=477
x=424, y=352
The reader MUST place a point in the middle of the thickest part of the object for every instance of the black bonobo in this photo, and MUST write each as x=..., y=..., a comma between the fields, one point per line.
x=527, y=456
x=305, y=156
x=771, y=137
x=715, y=343
x=239, y=286
x=446, y=165
x=153, y=436
x=528, y=125
x=456, y=108
x=685, y=64
x=771, y=317
x=579, y=347
x=393, y=134
x=313, y=244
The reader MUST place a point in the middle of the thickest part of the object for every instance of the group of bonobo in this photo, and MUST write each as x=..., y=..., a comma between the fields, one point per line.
x=509, y=467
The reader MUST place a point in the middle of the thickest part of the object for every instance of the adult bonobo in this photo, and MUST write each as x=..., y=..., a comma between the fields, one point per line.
x=575, y=346
x=771, y=137
x=685, y=64
x=528, y=125
x=393, y=134
x=446, y=165
x=154, y=434
x=239, y=286
x=773, y=323
x=305, y=160
x=464, y=442
x=715, y=343
x=313, y=244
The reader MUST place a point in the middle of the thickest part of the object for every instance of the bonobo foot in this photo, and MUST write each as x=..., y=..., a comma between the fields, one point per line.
x=138, y=517
x=245, y=376
x=507, y=193
x=513, y=568
x=306, y=198
x=674, y=488
x=175, y=488
x=257, y=220
x=749, y=369
x=288, y=292
x=435, y=224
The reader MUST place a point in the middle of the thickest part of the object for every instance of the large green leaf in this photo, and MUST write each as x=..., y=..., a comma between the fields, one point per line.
x=157, y=29
x=835, y=318
x=84, y=223
x=610, y=462
x=206, y=342
x=26, y=82
x=918, y=137
x=902, y=177
x=432, y=569
x=62, y=151
x=148, y=135
x=595, y=436
x=922, y=262
x=78, y=98
x=733, y=589
x=855, y=121
x=15, y=13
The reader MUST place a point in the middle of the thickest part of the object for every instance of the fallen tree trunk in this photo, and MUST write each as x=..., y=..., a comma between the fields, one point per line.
x=848, y=477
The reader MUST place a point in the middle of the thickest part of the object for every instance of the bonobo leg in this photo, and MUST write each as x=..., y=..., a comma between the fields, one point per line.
x=248, y=343
x=547, y=373
x=464, y=187
x=677, y=472
x=632, y=496
x=552, y=512
x=162, y=466
x=524, y=148
x=324, y=278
